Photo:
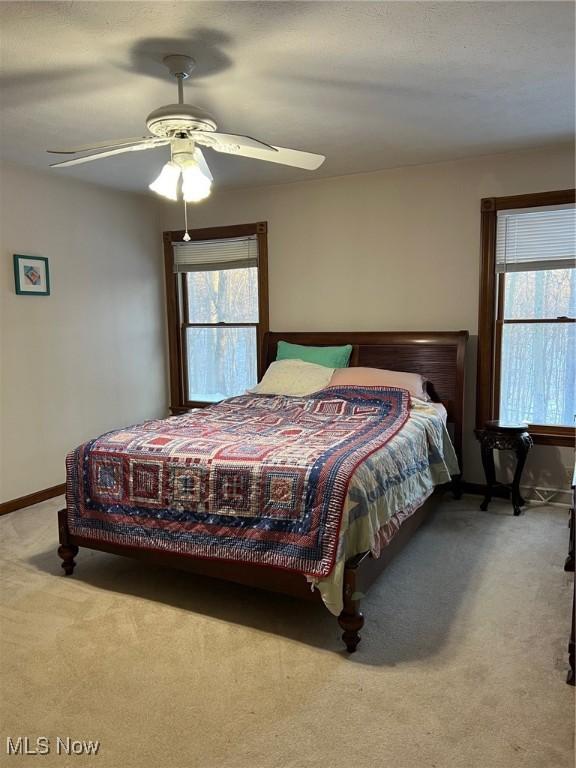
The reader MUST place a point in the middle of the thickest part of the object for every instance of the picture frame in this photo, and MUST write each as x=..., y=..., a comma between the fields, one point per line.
x=31, y=275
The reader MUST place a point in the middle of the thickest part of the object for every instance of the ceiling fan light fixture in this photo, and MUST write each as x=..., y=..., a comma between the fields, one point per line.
x=195, y=185
x=196, y=176
x=166, y=184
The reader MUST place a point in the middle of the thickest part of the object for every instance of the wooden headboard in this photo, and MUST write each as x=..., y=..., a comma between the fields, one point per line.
x=438, y=356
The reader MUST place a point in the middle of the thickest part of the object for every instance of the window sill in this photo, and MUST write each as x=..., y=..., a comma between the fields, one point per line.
x=561, y=436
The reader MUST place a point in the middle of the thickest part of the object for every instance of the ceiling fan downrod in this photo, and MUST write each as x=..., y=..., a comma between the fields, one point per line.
x=181, y=67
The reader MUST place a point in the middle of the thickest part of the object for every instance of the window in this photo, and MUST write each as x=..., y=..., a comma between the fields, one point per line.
x=217, y=312
x=527, y=326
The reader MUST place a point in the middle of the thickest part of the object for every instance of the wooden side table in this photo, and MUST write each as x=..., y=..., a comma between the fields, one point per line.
x=504, y=437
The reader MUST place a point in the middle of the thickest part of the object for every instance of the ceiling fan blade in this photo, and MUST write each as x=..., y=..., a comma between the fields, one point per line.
x=110, y=152
x=233, y=140
x=284, y=156
x=202, y=164
x=111, y=144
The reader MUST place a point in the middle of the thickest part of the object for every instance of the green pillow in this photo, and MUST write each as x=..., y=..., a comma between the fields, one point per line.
x=331, y=357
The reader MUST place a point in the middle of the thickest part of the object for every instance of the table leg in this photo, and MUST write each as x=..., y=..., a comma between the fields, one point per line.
x=517, y=500
x=571, y=679
x=490, y=473
x=569, y=564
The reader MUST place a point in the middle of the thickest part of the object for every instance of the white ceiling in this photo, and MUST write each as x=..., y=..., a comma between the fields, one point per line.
x=370, y=85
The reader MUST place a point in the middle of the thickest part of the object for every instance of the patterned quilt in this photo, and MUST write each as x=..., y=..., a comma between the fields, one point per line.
x=259, y=479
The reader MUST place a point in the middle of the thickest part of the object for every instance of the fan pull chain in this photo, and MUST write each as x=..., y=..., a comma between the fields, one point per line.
x=186, y=237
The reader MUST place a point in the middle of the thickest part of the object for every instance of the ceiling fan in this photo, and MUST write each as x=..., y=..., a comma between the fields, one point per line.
x=186, y=128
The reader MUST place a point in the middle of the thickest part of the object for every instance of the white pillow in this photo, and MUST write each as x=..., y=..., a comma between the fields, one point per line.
x=293, y=377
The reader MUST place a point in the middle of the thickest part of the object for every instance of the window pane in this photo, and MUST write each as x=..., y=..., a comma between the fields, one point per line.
x=221, y=362
x=538, y=373
x=545, y=294
x=223, y=296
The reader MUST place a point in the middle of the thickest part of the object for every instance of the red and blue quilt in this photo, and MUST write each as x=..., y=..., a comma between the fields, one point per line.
x=256, y=478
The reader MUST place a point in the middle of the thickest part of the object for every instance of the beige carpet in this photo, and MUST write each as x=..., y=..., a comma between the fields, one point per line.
x=462, y=663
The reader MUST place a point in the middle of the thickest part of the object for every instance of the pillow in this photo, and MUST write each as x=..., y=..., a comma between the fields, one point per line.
x=377, y=377
x=332, y=357
x=293, y=377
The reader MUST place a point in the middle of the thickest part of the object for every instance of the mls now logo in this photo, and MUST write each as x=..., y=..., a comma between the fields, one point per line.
x=24, y=745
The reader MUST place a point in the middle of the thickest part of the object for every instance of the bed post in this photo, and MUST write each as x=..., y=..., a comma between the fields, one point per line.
x=66, y=550
x=351, y=619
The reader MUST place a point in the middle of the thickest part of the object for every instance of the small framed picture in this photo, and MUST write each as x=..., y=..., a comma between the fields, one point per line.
x=31, y=275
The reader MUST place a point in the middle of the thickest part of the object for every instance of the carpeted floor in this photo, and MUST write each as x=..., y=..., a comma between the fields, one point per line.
x=462, y=663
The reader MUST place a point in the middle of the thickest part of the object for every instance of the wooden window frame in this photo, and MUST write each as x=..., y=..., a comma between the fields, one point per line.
x=491, y=310
x=176, y=310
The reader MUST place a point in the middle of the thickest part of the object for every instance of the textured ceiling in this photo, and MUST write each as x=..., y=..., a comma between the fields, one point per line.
x=370, y=85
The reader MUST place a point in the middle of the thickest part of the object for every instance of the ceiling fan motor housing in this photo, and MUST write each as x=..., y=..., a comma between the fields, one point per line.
x=179, y=120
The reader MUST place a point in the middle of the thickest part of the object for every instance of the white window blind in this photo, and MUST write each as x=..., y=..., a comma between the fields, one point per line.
x=532, y=239
x=202, y=255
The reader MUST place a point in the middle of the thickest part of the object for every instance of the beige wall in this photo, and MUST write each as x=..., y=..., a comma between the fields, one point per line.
x=392, y=250
x=89, y=357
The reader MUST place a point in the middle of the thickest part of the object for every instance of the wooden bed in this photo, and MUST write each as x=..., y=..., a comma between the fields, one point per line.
x=437, y=356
